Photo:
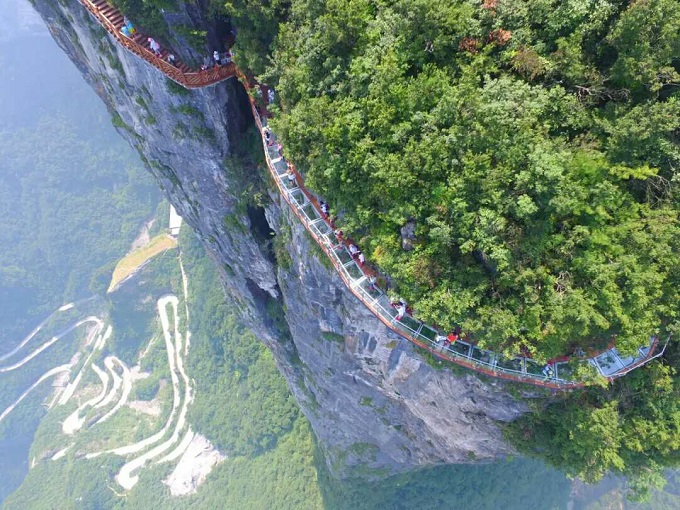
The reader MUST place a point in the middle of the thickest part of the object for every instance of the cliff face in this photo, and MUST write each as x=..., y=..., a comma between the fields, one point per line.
x=372, y=401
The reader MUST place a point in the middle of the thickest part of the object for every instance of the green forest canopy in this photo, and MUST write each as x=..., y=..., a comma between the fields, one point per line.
x=533, y=143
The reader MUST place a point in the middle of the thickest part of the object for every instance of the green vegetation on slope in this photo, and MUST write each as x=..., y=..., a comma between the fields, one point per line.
x=633, y=428
x=69, y=206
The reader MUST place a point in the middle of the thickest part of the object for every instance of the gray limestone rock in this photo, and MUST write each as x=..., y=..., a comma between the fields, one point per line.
x=408, y=235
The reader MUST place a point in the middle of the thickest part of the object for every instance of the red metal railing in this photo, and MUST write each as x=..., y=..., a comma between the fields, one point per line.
x=190, y=80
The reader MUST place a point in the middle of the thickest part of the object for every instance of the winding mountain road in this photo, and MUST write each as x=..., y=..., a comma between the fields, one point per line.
x=46, y=375
x=50, y=342
x=127, y=388
x=73, y=422
x=35, y=331
x=126, y=477
x=117, y=381
x=71, y=387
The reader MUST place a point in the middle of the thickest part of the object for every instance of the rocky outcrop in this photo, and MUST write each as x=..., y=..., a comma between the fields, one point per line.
x=373, y=401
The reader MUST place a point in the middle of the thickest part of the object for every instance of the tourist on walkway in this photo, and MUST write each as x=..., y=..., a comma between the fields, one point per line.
x=372, y=283
x=353, y=250
x=324, y=208
x=548, y=370
x=128, y=28
x=361, y=259
x=268, y=136
x=401, y=311
x=401, y=306
x=291, y=177
x=270, y=95
x=155, y=47
x=339, y=235
x=171, y=59
x=216, y=57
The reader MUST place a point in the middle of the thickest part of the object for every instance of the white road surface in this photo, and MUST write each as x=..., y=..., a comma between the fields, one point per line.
x=74, y=422
x=35, y=331
x=117, y=381
x=46, y=375
x=61, y=453
x=179, y=449
x=185, y=288
x=126, y=477
x=127, y=388
x=47, y=344
x=71, y=387
x=172, y=357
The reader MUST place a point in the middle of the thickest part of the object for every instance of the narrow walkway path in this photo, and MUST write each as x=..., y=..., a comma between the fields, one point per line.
x=112, y=20
x=556, y=375
x=357, y=279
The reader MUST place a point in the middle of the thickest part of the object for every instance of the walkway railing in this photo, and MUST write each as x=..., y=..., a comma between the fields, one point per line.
x=112, y=20
x=608, y=364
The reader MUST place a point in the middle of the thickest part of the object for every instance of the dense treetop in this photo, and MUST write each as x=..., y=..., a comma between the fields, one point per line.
x=533, y=143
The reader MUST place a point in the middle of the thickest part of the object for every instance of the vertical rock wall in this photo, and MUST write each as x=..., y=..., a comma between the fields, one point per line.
x=374, y=403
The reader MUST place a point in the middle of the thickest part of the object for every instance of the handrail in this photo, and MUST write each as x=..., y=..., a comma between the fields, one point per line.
x=190, y=80
x=357, y=284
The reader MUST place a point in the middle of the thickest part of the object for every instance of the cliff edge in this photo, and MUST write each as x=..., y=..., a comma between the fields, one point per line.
x=376, y=405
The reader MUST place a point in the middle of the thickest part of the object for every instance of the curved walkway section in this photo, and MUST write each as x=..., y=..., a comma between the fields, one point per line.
x=556, y=375
x=112, y=20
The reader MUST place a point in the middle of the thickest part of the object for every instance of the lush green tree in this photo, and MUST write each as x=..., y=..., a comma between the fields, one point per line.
x=632, y=428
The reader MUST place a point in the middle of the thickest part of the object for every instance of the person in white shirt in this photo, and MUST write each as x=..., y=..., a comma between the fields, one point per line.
x=155, y=47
